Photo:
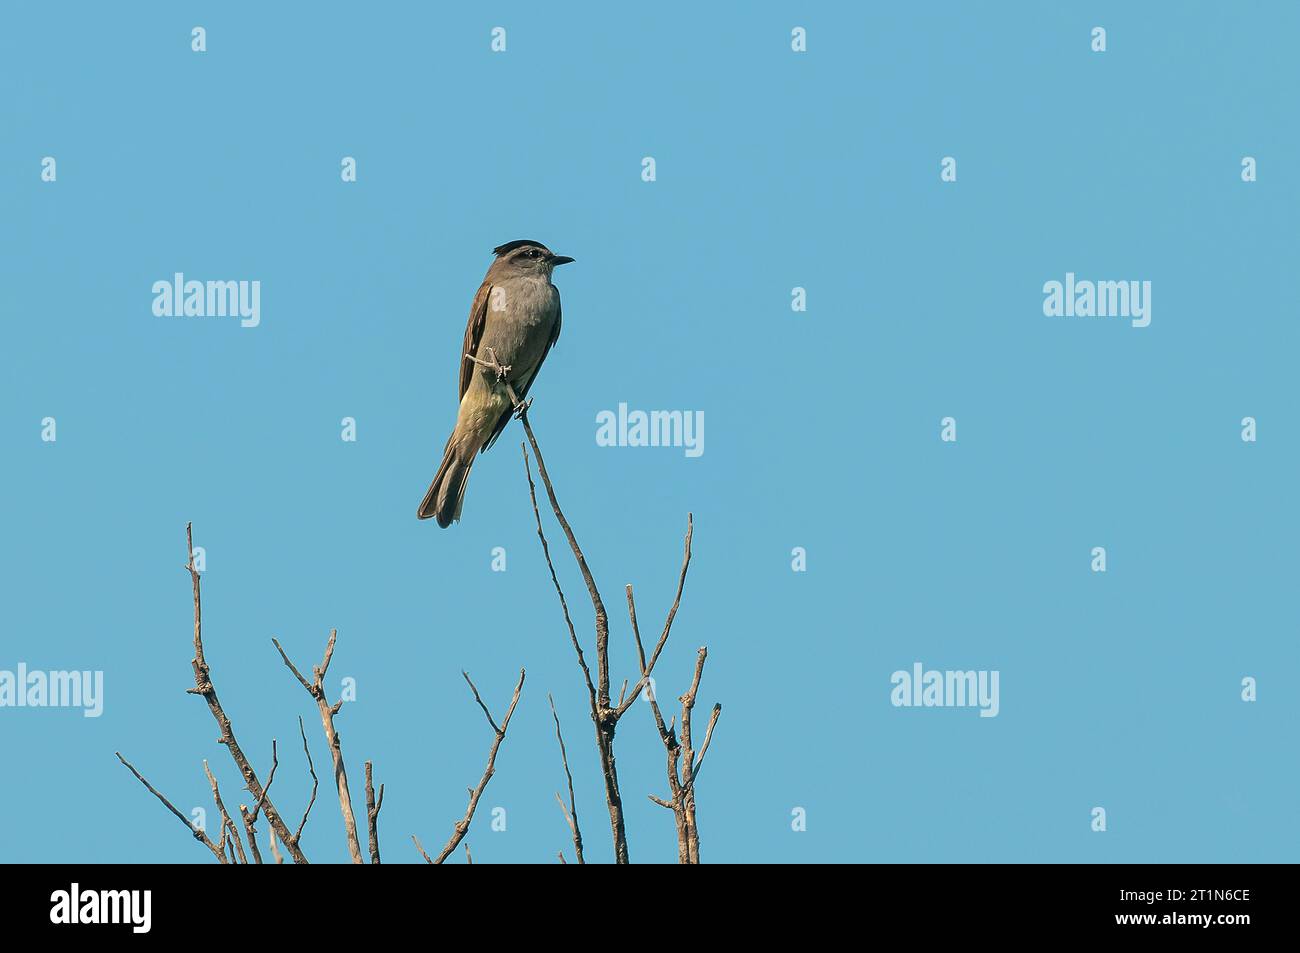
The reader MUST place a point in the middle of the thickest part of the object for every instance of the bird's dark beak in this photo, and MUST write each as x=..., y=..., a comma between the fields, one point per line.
x=560, y=259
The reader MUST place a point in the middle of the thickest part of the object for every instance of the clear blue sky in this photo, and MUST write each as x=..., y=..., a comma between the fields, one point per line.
x=774, y=170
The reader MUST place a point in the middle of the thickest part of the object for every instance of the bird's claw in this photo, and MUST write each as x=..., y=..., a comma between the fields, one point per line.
x=521, y=408
x=497, y=366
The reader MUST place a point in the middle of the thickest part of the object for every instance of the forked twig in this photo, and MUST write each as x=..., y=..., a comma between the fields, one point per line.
x=316, y=689
x=462, y=826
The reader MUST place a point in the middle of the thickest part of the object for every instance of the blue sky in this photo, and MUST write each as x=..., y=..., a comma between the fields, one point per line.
x=775, y=170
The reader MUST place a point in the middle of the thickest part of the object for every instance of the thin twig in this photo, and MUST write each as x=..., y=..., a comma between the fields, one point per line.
x=311, y=768
x=570, y=812
x=427, y=858
x=270, y=779
x=480, y=702
x=604, y=718
x=199, y=834
x=708, y=736
x=225, y=815
x=462, y=826
x=564, y=605
x=648, y=669
x=316, y=688
x=664, y=733
x=602, y=619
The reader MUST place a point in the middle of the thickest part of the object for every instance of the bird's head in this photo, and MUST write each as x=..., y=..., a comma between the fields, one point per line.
x=527, y=257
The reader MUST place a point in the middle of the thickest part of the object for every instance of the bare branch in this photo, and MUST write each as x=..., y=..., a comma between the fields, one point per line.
x=224, y=845
x=598, y=605
x=708, y=736
x=570, y=812
x=250, y=817
x=314, y=782
x=564, y=605
x=293, y=668
x=427, y=858
x=647, y=669
x=316, y=688
x=198, y=834
x=247, y=818
x=270, y=779
x=603, y=717
x=203, y=686
x=462, y=826
x=372, y=813
x=683, y=765
x=225, y=816
x=686, y=798
x=480, y=702
x=665, y=733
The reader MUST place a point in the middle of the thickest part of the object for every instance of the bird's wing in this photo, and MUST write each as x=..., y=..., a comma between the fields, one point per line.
x=522, y=390
x=473, y=335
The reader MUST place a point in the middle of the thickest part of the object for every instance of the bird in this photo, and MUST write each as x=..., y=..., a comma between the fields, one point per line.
x=513, y=324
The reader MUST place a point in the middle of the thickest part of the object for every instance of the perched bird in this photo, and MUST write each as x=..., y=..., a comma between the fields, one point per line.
x=514, y=320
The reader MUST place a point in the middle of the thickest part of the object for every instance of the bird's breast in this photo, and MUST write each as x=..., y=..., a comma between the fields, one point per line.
x=519, y=325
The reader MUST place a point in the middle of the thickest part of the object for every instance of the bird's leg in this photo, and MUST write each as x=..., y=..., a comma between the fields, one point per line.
x=501, y=371
x=519, y=407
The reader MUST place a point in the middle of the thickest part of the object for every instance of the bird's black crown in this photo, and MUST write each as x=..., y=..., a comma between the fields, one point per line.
x=511, y=246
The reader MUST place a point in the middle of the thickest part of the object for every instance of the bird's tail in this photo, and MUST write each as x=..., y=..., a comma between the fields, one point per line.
x=447, y=491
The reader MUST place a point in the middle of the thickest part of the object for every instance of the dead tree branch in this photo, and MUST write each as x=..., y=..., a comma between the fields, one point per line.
x=247, y=817
x=604, y=716
x=250, y=817
x=199, y=834
x=647, y=670
x=691, y=764
x=225, y=816
x=427, y=858
x=571, y=811
x=316, y=689
x=311, y=768
x=372, y=813
x=462, y=826
x=203, y=686
x=230, y=849
x=683, y=765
